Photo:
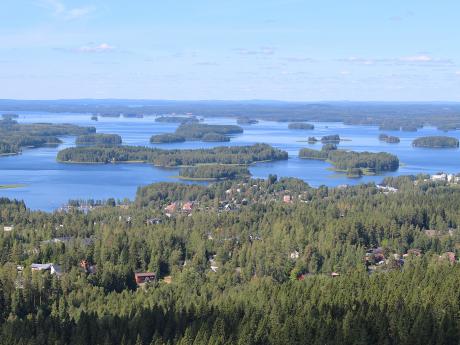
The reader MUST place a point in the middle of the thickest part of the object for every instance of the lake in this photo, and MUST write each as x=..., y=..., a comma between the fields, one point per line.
x=48, y=184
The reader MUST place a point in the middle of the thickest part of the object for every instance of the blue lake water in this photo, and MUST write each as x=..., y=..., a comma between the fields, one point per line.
x=49, y=184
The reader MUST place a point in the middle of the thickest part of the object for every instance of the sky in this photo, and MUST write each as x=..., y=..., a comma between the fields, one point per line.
x=293, y=50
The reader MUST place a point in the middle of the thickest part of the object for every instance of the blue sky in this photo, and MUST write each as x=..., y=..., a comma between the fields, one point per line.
x=392, y=50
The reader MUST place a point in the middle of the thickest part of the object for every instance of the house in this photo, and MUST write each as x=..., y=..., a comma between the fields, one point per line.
x=8, y=228
x=287, y=199
x=153, y=221
x=87, y=267
x=171, y=208
x=294, y=255
x=413, y=252
x=439, y=177
x=167, y=279
x=335, y=274
x=52, y=268
x=450, y=256
x=144, y=277
x=187, y=207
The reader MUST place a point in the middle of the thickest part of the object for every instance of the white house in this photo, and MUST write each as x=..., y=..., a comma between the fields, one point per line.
x=8, y=228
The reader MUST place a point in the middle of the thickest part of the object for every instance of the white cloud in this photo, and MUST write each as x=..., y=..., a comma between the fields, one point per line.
x=417, y=58
x=96, y=48
x=59, y=9
x=260, y=51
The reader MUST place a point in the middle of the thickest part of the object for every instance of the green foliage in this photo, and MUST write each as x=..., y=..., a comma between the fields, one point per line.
x=256, y=295
x=301, y=125
x=166, y=138
x=436, y=142
x=214, y=171
x=98, y=139
x=218, y=155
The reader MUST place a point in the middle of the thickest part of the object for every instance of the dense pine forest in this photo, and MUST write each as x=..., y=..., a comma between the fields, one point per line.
x=245, y=262
x=218, y=155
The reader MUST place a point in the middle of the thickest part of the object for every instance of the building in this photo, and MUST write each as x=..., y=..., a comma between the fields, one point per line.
x=187, y=207
x=439, y=177
x=287, y=199
x=52, y=268
x=171, y=208
x=8, y=228
x=144, y=277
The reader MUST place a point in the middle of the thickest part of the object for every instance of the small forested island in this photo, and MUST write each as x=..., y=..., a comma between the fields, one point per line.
x=389, y=138
x=215, y=137
x=94, y=118
x=133, y=116
x=98, y=139
x=166, y=138
x=196, y=131
x=354, y=163
x=246, y=121
x=14, y=136
x=214, y=172
x=334, y=138
x=389, y=127
x=110, y=115
x=312, y=140
x=9, y=116
x=177, y=119
x=436, y=142
x=169, y=158
x=409, y=128
x=301, y=125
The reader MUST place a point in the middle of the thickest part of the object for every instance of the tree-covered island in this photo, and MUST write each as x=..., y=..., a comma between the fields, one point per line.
x=436, y=142
x=301, y=125
x=168, y=158
x=98, y=139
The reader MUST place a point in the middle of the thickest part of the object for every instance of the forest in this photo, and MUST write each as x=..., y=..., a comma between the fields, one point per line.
x=196, y=131
x=301, y=125
x=315, y=269
x=168, y=158
x=246, y=121
x=390, y=139
x=177, y=119
x=214, y=172
x=436, y=142
x=166, y=138
x=14, y=136
x=98, y=139
x=367, y=162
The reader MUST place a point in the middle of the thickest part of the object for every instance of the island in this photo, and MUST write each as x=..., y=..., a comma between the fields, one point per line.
x=349, y=161
x=170, y=158
x=389, y=139
x=9, y=116
x=98, y=139
x=15, y=136
x=312, y=140
x=133, y=116
x=177, y=119
x=94, y=118
x=215, y=137
x=246, y=121
x=214, y=172
x=334, y=138
x=301, y=125
x=196, y=131
x=166, y=138
x=436, y=142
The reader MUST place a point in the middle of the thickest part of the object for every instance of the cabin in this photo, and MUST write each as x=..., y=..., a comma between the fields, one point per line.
x=287, y=199
x=187, y=207
x=52, y=268
x=144, y=277
x=171, y=208
x=8, y=228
